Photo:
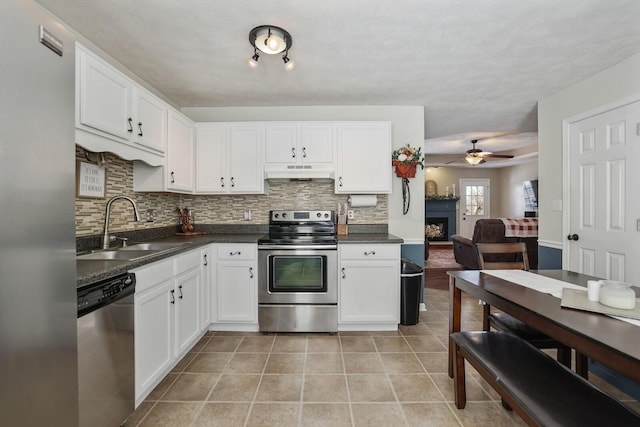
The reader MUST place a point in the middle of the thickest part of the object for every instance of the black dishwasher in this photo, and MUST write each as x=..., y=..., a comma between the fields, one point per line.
x=106, y=351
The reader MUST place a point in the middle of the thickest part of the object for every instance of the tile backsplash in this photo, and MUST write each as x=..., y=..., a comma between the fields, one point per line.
x=218, y=209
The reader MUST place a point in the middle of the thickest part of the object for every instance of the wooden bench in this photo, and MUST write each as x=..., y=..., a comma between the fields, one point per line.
x=542, y=391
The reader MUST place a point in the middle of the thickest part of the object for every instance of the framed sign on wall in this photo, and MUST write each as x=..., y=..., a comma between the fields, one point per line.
x=91, y=180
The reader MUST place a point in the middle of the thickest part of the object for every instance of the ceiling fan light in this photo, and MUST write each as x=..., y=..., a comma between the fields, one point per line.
x=473, y=160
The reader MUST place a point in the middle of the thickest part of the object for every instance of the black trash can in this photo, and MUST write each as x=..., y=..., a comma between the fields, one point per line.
x=410, y=282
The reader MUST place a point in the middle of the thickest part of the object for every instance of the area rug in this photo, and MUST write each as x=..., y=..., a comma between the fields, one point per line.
x=440, y=261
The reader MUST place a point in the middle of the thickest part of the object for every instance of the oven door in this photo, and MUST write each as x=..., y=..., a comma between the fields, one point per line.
x=298, y=276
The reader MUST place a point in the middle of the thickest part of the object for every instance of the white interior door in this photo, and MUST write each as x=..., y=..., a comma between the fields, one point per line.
x=603, y=227
x=474, y=204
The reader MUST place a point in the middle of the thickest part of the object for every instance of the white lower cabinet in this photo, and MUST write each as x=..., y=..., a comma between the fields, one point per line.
x=234, y=296
x=167, y=317
x=369, y=287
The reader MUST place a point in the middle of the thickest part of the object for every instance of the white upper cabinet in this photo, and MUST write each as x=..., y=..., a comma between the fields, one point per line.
x=364, y=158
x=180, y=153
x=113, y=113
x=229, y=158
x=246, y=142
x=105, y=97
x=150, y=126
x=299, y=143
x=177, y=174
x=211, y=158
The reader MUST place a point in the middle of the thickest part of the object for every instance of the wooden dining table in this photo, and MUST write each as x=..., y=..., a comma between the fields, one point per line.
x=610, y=341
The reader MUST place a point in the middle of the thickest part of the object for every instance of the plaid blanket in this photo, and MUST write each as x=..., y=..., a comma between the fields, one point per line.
x=520, y=227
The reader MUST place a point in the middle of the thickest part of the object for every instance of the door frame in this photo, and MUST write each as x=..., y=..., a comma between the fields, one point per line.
x=566, y=153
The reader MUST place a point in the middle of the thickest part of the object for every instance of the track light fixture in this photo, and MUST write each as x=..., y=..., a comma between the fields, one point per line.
x=271, y=40
x=253, y=61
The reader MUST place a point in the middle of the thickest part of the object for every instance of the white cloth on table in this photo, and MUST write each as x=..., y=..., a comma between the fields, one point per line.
x=546, y=285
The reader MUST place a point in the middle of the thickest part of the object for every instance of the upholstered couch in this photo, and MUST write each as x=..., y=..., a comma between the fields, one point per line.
x=490, y=231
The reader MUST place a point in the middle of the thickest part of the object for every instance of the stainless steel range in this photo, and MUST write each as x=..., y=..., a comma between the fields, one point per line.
x=298, y=273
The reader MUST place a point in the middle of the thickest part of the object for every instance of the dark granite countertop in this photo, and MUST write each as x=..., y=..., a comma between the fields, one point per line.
x=90, y=271
x=369, y=238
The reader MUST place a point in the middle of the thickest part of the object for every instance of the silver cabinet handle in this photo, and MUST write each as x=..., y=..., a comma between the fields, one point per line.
x=140, y=127
x=234, y=253
x=293, y=152
x=180, y=290
x=172, y=178
x=304, y=152
x=344, y=275
x=173, y=296
x=370, y=253
x=250, y=272
x=233, y=183
x=340, y=181
x=222, y=181
x=130, y=120
x=205, y=260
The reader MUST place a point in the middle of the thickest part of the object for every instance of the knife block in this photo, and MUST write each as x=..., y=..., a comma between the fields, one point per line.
x=343, y=229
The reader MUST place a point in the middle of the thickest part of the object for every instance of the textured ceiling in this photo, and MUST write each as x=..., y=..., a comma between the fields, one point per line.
x=475, y=66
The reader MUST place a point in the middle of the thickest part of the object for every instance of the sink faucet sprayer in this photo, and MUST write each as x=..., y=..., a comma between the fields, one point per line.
x=105, y=237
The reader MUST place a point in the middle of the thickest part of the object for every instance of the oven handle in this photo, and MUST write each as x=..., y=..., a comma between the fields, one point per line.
x=297, y=247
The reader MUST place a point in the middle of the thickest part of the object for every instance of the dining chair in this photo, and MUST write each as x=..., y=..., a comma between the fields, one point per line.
x=491, y=256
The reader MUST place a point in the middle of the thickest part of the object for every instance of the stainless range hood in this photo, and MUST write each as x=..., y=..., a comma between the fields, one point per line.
x=299, y=172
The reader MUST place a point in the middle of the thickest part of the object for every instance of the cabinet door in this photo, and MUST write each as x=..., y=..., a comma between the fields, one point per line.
x=187, y=297
x=179, y=153
x=317, y=143
x=369, y=292
x=281, y=141
x=364, y=158
x=236, y=292
x=206, y=284
x=211, y=158
x=150, y=121
x=105, y=97
x=153, y=336
x=246, y=174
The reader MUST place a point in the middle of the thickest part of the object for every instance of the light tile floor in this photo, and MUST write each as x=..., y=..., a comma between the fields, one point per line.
x=348, y=379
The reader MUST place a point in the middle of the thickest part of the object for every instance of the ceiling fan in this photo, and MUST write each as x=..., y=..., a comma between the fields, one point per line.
x=475, y=156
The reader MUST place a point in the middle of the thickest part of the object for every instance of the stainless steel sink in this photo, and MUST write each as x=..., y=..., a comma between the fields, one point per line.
x=116, y=255
x=132, y=252
x=154, y=246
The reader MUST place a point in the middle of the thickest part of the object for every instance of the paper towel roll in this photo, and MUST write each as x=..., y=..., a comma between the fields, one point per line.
x=363, y=200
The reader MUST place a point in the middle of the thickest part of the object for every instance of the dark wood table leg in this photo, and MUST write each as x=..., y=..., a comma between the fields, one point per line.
x=455, y=300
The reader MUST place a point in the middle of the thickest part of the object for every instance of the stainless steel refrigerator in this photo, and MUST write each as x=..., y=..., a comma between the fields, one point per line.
x=38, y=344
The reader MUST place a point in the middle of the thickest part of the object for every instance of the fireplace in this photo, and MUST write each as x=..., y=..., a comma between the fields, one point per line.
x=437, y=229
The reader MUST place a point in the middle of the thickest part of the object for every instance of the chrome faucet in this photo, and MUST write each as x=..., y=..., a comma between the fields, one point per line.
x=106, y=238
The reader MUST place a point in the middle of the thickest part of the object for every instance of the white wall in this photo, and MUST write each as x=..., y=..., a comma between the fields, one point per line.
x=407, y=128
x=615, y=83
x=511, y=200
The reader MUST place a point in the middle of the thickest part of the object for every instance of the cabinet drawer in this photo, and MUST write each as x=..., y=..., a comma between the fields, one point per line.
x=237, y=252
x=152, y=274
x=187, y=261
x=367, y=252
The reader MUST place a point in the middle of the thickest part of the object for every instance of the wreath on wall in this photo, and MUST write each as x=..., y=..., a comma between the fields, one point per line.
x=406, y=160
